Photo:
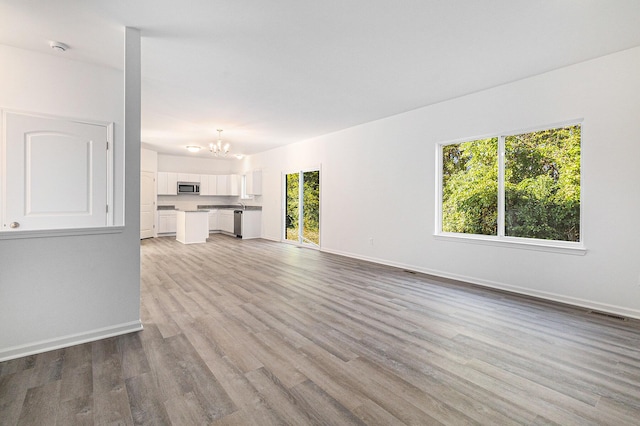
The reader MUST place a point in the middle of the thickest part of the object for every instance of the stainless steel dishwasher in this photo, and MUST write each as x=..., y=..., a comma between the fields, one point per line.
x=237, y=223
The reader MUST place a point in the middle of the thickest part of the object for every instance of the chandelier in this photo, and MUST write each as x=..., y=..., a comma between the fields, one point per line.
x=217, y=148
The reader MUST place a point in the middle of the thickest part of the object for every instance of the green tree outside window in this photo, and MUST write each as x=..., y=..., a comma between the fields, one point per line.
x=541, y=185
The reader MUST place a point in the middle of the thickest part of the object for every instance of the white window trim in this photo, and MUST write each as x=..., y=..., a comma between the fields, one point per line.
x=501, y=240
x=283, y=177
x=243, y=188
x=565, y=247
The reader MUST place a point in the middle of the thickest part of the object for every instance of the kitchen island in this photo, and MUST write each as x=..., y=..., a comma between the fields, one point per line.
x=192, y=226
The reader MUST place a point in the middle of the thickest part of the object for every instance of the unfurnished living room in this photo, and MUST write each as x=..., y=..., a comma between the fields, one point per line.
x=220, y=212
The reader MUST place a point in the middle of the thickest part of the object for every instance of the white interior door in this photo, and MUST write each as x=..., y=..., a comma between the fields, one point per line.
x=147, y=204
x=57, y=173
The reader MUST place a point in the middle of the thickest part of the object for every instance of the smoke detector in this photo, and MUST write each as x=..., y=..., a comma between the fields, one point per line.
x=58, y=46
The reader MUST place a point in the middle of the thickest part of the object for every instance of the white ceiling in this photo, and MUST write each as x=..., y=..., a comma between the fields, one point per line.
x=276, y=72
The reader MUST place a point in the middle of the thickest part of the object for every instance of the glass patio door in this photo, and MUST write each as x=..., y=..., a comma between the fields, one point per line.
x=302, y=207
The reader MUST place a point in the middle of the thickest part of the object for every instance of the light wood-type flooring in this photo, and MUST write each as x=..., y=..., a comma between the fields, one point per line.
x=257, y=332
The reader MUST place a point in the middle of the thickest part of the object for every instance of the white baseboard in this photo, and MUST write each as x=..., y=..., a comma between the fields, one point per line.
x=583, y=303
x=70, y=340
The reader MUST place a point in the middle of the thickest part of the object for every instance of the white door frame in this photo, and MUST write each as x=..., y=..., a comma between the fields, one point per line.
x=283, y=219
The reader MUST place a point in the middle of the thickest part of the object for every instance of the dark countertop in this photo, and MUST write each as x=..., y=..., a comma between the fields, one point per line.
x=213, y=207
x=228, y=206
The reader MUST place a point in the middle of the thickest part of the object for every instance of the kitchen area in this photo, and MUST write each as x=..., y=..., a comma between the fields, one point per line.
x=190, y=206
x=234, y=220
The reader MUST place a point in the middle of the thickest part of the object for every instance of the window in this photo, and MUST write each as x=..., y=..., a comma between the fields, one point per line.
x=516, y=186
x=243, y=187
x=470, y=187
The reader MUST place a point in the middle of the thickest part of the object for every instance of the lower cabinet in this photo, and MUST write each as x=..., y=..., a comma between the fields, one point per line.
x=213, y=220
x=225, y=220
x=220, y=220
x=167, y=221
x=251, y=224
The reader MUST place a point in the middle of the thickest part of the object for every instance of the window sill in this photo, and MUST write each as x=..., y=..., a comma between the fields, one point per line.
x=563, y=247
x=48, y=233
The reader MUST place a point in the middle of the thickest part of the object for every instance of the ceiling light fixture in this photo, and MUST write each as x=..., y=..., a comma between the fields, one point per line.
x=193, y=148
x=217, y=148
x=57, y=46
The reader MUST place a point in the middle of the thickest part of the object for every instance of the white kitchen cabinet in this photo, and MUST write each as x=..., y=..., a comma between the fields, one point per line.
x=204, y=185
x=188, y=177
x=234, y=185
x=251, y=224
x=192, y=227
x=213, y=220
x=167, y=183
x=213, y=184
x=225, y=220
x=228, y=185
x=208, y=185
x=167, y=221
x=162, y=183
x=253, y=182
x=222, y=183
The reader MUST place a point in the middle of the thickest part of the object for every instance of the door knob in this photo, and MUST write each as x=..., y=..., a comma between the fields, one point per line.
x=14, y=225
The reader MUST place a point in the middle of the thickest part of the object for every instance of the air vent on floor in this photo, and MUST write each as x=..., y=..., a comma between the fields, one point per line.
x=608, y=315
x=409, y=272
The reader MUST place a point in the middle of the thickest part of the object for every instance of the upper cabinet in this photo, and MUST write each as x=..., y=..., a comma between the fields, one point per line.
x=167, y=183
x=254, y=182
x=234, y=184
x=57, y=173
x=222, y=185
x=208, y=185
x=227, y=185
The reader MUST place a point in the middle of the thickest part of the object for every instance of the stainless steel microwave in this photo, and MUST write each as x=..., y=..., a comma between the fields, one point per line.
x=188, y=188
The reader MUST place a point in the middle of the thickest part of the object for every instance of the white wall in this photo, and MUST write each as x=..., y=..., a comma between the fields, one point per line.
x=197, y=165
x=148, y=160
x=378, y=181
x=63, y=290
